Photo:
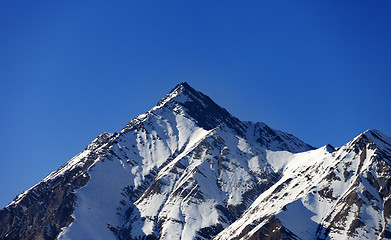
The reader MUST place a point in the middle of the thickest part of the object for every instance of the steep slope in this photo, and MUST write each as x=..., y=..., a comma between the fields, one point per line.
x=205, y=189
x=325, y=194
x=40, y=212
x=185, y=169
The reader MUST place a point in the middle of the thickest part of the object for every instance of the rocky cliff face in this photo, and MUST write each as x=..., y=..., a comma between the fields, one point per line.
x=188, y=169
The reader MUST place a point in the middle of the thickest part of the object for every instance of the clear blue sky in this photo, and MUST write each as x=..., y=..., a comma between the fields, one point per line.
x=70, y=70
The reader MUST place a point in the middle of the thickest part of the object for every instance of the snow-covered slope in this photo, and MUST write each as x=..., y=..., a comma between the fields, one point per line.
x=182, y=171
x=325, y=194
x=188, y=169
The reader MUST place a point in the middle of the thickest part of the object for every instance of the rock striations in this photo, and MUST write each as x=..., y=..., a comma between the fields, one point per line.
x=188, y=169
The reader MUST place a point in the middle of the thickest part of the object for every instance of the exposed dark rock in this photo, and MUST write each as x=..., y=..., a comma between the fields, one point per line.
x=210, y=232
x=272, y=230
x=330, y=148
x=327, y=192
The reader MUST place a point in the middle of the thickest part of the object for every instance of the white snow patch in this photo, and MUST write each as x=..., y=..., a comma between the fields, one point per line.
x=97, y=202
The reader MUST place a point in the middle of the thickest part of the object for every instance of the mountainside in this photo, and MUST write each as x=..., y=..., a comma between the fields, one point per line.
x=188, y=169
x=325, y=194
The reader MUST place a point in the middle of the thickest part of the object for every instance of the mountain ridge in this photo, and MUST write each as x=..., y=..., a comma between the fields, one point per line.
x=186, y=169
x=328, y=215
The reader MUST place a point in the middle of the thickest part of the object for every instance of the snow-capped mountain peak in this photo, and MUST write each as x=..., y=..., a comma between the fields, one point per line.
x=188, y=169
x=195, y=105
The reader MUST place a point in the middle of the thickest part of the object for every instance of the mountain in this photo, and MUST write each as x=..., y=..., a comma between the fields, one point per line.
x=188, y=169
x=325, y=193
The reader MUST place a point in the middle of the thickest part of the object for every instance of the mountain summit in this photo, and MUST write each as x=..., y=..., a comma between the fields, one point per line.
x=188, y=169
x=206, y=113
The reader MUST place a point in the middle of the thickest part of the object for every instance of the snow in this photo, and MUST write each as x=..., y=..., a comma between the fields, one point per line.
x=199, y=177
x=98, y=202
x=189, y=133
x=382, y=141
x=163, y=134
x=76, y=161
x=197, y=217
x=179, y=178
x=279, y=159
x=298, y=203
x=298, y=219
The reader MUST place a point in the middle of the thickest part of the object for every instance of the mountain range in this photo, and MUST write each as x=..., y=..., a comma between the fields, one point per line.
x=188, y=169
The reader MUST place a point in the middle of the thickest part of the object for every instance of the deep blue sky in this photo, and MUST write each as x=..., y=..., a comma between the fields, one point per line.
x=70, y=70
